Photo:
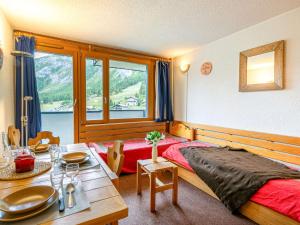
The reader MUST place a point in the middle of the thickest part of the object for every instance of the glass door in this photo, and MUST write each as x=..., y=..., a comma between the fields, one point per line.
x=113, y=90
x=92, y=93
x=128, y=90
x=55, y=84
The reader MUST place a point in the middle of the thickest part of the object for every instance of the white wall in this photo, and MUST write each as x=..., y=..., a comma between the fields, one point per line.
x=215, y=99
x=6, y=75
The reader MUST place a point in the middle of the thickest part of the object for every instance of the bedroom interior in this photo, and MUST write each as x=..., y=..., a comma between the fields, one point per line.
x=150, y=112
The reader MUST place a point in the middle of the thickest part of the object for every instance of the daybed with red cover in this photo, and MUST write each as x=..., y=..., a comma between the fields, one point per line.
x=135, y=149
x=281, y=195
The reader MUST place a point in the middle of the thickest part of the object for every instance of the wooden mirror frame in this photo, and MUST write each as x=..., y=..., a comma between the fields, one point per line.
x=278, y=48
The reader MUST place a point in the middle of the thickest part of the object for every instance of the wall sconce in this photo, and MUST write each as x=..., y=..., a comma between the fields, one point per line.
x=184, y=67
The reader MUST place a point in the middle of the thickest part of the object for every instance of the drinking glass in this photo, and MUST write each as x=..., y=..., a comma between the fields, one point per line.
x=56, y=180
x=53, y=146
x=54, y=153
x=72, y=170
x=4, y=138
x=36, y=160
x=6, y=156
x=5, y=159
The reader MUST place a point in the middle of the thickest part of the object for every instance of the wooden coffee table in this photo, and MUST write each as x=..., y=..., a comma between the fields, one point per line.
x=150, y=168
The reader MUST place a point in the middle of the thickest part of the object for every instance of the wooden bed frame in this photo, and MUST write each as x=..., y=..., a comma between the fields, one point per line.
x=279, y=147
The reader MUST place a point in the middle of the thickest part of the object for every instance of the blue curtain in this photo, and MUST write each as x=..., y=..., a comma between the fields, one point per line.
x=164, y=104
x=27, y=44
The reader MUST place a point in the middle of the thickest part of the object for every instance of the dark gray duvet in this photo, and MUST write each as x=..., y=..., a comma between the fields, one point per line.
x=234, y=174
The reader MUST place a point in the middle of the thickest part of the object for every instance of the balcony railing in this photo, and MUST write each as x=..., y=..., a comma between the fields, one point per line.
x=62, y=124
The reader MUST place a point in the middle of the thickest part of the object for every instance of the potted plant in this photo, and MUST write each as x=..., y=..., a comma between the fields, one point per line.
x=153, y=138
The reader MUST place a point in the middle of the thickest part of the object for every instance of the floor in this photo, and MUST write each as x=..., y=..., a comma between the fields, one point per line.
x=195, y=207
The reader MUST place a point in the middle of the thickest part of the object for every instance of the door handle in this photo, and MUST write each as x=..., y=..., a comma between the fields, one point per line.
x=75, y=103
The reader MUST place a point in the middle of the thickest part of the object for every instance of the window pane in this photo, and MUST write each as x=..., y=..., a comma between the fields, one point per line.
x=128, y=90
x=54, y=76
x=94, y=89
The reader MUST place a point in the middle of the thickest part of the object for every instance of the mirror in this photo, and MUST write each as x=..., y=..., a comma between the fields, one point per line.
x=261, y=68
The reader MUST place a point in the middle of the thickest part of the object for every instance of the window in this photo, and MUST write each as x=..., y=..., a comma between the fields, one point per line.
x=54, y=76
x=94, y=89
x=84, y=86
x=128, y=90
x=115, y=90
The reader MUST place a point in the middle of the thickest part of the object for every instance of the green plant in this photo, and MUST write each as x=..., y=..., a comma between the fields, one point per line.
x=154, y=137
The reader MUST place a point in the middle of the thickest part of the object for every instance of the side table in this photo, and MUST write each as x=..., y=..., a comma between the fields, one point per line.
x=150, y=168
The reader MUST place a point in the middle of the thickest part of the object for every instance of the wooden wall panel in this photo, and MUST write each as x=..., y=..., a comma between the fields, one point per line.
x=251, y=134
x=118, y=131
x=279, y=147
x=254, y=142
x=256, y=150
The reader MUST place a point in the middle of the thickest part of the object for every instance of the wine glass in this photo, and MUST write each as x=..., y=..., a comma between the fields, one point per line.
x=72, y=170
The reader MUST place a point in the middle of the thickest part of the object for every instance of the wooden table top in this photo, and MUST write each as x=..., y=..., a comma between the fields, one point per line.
x=162, y=164
x=107, y=205
x=151, y=166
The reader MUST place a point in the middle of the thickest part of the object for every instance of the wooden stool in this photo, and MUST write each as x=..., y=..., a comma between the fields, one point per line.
x=152, y=169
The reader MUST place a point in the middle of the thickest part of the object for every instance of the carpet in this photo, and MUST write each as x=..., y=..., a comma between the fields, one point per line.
x=194, y=206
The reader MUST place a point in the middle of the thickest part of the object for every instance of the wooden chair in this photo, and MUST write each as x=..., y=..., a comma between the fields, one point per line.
x=115, y=157
x=14, y=136
x=44, y=135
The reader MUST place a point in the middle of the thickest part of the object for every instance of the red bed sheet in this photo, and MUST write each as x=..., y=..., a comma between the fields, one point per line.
x=136, y=149
x=281, y=195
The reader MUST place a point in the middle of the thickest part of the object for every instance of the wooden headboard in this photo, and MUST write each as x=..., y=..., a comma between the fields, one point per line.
x=181, y=130
x=279, y=147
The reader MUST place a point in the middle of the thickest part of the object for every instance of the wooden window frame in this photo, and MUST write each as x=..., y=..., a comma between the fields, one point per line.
x=106, y=111
x=74, y=54
x=94, y=55
x=150, y=88
x=75, y=48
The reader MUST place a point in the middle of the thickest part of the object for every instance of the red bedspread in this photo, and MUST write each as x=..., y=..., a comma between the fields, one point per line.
x=136, y=149
x=280, y=195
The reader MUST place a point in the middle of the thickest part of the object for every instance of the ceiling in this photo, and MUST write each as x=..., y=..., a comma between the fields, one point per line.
x=160, y=27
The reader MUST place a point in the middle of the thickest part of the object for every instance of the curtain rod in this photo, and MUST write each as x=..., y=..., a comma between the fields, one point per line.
x=18, y=33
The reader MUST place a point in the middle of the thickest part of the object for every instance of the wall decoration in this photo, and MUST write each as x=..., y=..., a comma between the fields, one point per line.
x=262, y=68
x=1, y=58
x=206, y=68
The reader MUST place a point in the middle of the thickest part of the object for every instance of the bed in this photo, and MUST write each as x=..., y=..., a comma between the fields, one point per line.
x=136, y=149
x=277, y=147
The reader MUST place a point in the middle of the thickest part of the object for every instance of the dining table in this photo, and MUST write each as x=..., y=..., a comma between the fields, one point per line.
x=100, y=185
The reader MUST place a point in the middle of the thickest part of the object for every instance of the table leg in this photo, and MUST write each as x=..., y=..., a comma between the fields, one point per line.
x=115, y=223
x=175, y=186
x=139, y=179
x=152, y=191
